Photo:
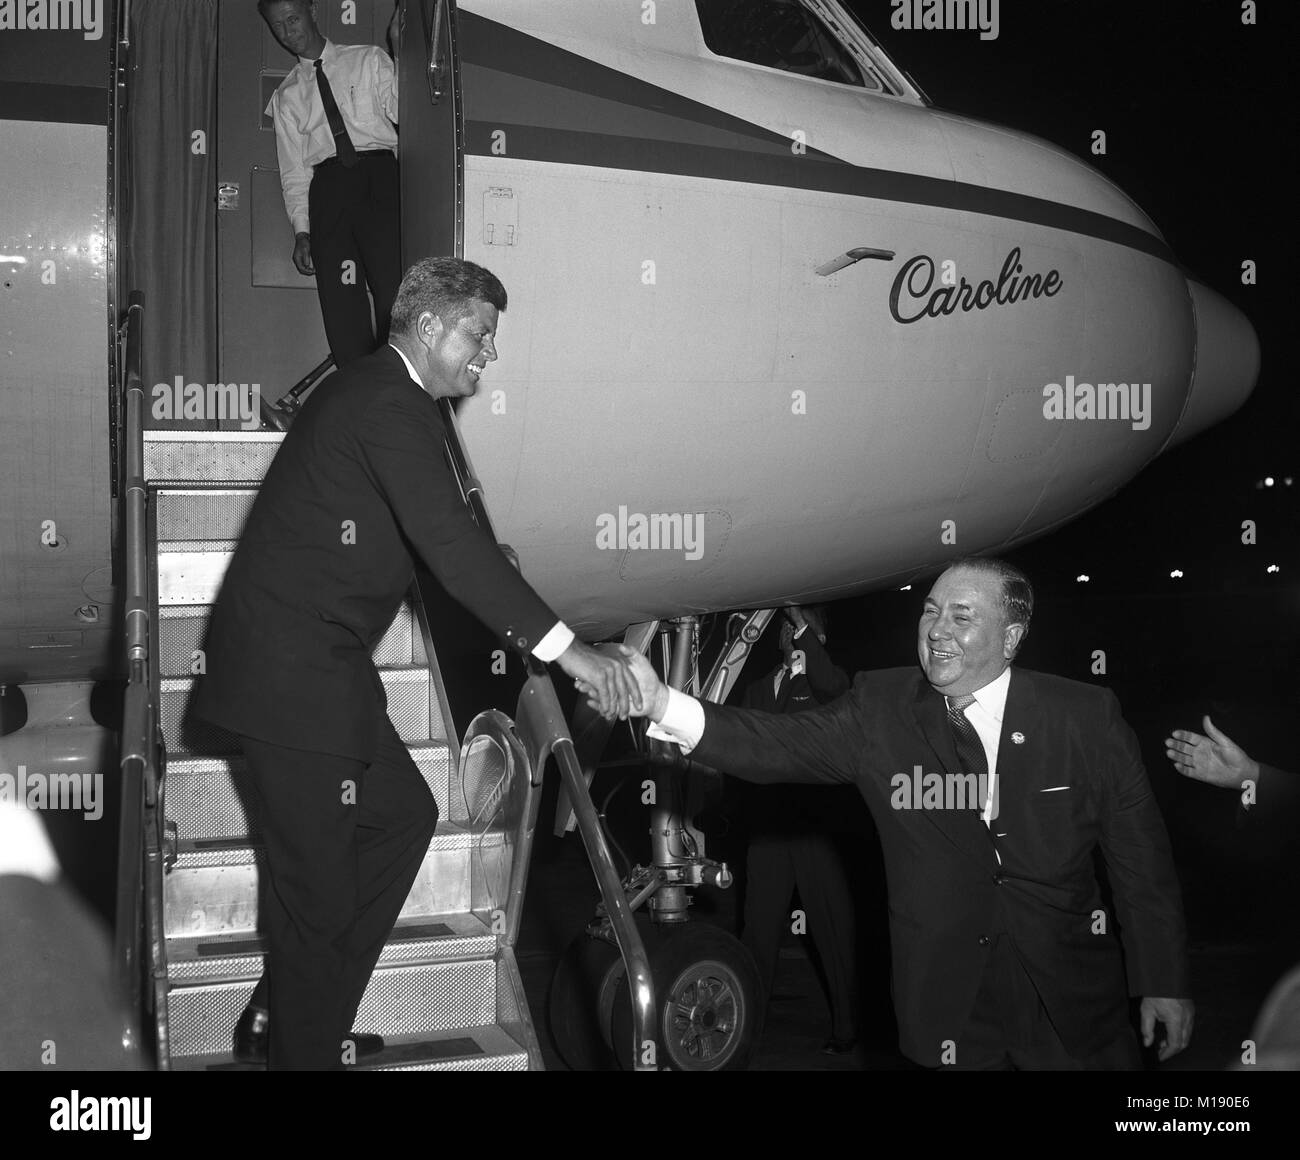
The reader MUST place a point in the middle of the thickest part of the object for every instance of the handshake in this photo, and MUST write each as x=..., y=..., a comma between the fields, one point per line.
x=616, y=680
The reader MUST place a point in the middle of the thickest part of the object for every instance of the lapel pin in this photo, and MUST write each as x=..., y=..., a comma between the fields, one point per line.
x=1017, y=739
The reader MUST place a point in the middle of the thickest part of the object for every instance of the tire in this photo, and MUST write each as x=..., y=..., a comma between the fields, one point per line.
x=706, y=1001
x=583, y=987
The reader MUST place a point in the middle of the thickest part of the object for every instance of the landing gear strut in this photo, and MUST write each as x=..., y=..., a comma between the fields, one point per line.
x=705, y=982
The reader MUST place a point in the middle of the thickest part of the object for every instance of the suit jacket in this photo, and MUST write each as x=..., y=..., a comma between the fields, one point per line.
x=786, y=810
x=948, y=895
x=359, y=487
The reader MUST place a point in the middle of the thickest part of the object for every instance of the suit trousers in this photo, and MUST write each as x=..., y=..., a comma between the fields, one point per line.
x=775, y=865
x=1009, y=1028
x=344, y=842
x=355, y=216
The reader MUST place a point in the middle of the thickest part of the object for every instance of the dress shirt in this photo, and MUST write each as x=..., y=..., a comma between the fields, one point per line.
x=364, y=84
x=559, y=636
x=683, y=724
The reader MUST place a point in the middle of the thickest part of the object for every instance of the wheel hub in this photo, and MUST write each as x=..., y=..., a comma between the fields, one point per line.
x=702, y=1018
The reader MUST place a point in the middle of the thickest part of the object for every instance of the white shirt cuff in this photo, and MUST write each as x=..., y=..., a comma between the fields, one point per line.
x=24, y=847
x=682, y=722
x=553, y=643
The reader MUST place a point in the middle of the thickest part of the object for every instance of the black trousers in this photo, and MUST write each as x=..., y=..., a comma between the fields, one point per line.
x=355, y=218
x=344, y=842
x=775, y=865
x=1009, y=1028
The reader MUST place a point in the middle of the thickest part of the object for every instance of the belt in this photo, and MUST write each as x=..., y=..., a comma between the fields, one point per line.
x=361, y=153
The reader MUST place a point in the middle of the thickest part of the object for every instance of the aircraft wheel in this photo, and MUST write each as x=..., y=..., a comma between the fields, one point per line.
x=581, y=1002
x=706, y=989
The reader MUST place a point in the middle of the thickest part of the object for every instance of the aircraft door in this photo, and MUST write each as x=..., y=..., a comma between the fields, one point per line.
x=270, y=323
x=431, y=160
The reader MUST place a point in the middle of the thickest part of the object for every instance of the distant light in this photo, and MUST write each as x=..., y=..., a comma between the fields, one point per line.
x=1289, y=480
x=15, y=258
x=1082, y=578
x=906, y=588
x=1273, y=569
x=1268, y=481
x=1176, y=574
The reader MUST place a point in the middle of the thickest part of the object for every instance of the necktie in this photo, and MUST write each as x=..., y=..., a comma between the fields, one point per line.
x=342, y=142
x=782, y=687
x=970, y=749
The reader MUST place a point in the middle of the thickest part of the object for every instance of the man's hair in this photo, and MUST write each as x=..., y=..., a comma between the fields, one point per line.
x=264, y=6
x=445, y=287
x=1017, y=592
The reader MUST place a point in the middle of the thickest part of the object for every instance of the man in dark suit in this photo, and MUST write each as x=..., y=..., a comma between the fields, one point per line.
x=792, y=833
x=1004, y=955
x=359, y=485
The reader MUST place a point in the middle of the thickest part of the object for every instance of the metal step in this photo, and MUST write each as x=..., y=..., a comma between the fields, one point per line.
x=407, y=688
x=425, y=938
x=406, y=999
x=213, y=513
x=190, y=572
x=487, y=1048
x=181, y=631
x=208, y=797
x=212, y=889
x=209, y=456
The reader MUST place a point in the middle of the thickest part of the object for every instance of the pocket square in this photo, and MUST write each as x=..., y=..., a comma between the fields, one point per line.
x=1054, y=789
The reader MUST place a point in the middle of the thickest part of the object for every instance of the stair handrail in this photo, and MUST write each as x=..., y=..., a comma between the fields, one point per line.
x=543, y=730
x=138, y=755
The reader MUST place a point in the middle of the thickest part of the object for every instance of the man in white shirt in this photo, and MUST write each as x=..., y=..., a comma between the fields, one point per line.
x=992, y=787
x=335, y=120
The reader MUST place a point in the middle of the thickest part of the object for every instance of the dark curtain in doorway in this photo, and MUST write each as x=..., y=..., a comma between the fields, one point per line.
x=170, y=202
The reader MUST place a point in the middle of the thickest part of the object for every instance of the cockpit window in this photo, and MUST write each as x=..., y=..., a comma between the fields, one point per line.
x=779, y=34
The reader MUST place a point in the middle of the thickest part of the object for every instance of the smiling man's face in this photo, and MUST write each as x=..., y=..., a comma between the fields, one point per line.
x=963, y=639
x=453, y=354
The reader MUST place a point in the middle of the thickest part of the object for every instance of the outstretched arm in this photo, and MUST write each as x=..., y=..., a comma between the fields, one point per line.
x=819, y=745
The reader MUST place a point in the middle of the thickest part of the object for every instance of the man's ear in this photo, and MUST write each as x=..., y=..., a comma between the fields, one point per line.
x=1011, y=642
x=428, y=326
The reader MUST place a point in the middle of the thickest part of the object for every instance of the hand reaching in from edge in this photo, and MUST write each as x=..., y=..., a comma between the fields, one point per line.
x=1215, y=759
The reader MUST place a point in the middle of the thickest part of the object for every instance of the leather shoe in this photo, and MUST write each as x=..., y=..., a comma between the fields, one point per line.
x=253, y=1030
x=839, y=1046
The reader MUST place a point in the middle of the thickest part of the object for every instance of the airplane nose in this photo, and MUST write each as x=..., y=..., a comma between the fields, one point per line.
x=1227, y=362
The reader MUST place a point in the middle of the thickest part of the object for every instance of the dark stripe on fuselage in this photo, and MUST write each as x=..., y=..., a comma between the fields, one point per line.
x=769, y=161
x=66, y=104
